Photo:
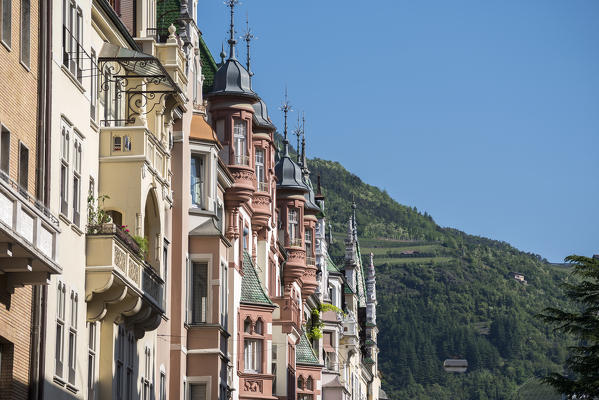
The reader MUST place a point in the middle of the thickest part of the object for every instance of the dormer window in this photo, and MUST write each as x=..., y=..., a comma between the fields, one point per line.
x=240, y=141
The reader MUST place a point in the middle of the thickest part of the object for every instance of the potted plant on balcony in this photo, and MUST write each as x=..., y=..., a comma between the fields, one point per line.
x=315, y=324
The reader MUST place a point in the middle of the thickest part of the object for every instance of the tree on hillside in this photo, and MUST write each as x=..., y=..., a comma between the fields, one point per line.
x=581, y=321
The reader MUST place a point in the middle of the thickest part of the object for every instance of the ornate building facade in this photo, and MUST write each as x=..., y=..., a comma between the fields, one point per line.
x=166, y=248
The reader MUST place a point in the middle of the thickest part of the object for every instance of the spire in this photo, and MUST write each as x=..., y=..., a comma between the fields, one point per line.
x=223, y=55
x=353, y=218
x=298, y=133
x=286, y=107
x=304, y=162
x=231, y=41
x=248, y=36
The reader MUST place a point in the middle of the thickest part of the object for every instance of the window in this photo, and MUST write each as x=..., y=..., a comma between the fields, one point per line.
x=25, y=32
x=197, y=391
x=304, y=396
x=308, y=240
x=73, y=337
x=197, y=181
x=5, y=150
x=300, y=383
x=23, y=166
x=60, y=322
x=76, y=181
x=91, y=361
x=6, y=22
x=117, y=143
x=258, y=328
x=120, y=361
x=260, y=176
x=72, y=38
x=131, y=355
x=293, y=227
x=252, y=350
x=199, y=292
x=146, y=385
x=247, y=325
x=240, y=138
x=65, y=136
x=224, y=281
x=93, y=90
x=309, y=383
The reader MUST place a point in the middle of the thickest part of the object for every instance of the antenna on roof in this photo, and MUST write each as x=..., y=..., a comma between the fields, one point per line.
x=304, y=162
x=286, y=107
x=248, y=36
x=231, y=41
x=223, y=55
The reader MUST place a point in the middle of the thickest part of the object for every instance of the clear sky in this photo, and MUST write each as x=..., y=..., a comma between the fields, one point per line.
x=483, y=113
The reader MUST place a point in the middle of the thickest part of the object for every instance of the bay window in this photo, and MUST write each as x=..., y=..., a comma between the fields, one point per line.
x=294, y=238
x=240, y=141
x=197, y=181
x=199, y=292
x=308, y=241
x=252, y=355
x=260, y=175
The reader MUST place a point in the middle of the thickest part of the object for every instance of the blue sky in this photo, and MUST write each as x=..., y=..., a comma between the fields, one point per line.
x=483, y=113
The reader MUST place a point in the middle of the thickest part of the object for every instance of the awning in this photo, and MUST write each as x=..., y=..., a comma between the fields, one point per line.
x=135, y=64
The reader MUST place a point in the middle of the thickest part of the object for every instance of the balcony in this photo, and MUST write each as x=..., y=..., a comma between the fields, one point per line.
x=310, y=261
x=295, y=242
x=263, y=187
x=120, y=286
x=28, y=233
x=288, y=314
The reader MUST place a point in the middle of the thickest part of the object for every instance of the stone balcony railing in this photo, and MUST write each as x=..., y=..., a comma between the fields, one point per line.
x=28, y=235
x=121, y=286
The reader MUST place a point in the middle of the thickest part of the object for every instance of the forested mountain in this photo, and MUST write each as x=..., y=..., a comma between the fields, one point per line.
x=443, y=293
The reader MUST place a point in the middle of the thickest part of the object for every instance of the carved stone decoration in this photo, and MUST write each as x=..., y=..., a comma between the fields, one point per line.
x=253, y=385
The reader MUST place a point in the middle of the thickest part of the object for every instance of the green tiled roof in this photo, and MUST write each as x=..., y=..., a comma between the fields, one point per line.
x=347, y=289
x=331, y=267
x=251, y=288
x=368, y=360
x=370, y=324
x=370, y=342
x=304, y=353
x=209, y=66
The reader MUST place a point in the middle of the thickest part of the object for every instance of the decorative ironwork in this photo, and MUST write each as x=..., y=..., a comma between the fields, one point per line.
x=134, y=80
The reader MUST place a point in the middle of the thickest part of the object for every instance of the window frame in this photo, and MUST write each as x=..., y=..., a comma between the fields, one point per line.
x=6, y=29
x=5, y=150
x=240, y=141
x=60, y=330
x=25, y=36
x=199, y=316
x=23, y=175
x=65, y=139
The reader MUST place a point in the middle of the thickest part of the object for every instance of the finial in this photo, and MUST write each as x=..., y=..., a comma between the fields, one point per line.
x=248, y=36
x=286, y=107
x=171, y=30
x=298, y=133
x=231, y=4
x=304, y=162
x=223, y=55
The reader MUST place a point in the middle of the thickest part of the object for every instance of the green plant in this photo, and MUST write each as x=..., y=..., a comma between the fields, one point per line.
x=96, y=215
x=315, y=324
x=142, y=242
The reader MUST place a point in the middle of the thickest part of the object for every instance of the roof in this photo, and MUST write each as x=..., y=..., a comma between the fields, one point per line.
x=368, y=360
x=232, y=79
x=288, y=173
x=347, y=289
x=304, y=353
x=209, y=66
x=251, y=288
x=309, y=196
x=201, y=129
x=261, y=118
x=331, y=267
x=383, y=395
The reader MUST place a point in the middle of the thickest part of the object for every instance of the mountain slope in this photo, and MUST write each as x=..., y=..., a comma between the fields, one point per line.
x=442, y=294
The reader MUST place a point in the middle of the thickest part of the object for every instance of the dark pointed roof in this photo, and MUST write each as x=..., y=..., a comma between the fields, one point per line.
x=261, y=118
x=232, y=79
x=309, y=196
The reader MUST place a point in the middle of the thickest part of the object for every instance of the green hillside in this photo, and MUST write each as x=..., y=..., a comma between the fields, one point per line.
x=442, y=294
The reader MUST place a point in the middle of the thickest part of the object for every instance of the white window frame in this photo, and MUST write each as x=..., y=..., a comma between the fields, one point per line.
x=65, y=149
x=240, y=138
x=252, y=355
x=260, y=169
x=293, y=223
x=91, y=360
x=77, y=160
x=60, y=329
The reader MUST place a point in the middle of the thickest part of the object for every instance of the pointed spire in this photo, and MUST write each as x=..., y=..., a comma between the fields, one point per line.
x=304, y=161
x=286, y=107
x=231, y=41
x=298, y=133
x=353, y=218
x=248, y=36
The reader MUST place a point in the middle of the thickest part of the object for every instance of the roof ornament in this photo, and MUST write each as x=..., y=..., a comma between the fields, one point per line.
x=304, y=162
x=248, y=36
x=286, y=107
x=223, y=55
x=298, y=133
x=353, y=217
x=231, y=4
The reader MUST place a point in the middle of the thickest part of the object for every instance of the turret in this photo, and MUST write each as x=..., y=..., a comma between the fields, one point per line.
x=371, y=292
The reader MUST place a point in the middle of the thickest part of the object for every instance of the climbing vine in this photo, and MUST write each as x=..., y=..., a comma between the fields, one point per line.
x=314, y=324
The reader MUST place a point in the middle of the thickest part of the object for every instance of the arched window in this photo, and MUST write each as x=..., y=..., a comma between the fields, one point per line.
x=309, y=384
x=300, y=382
x=259, y=327
x=247, y=325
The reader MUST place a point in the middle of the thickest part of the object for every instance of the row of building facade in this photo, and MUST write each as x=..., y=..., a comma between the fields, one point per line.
x=155, y=243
